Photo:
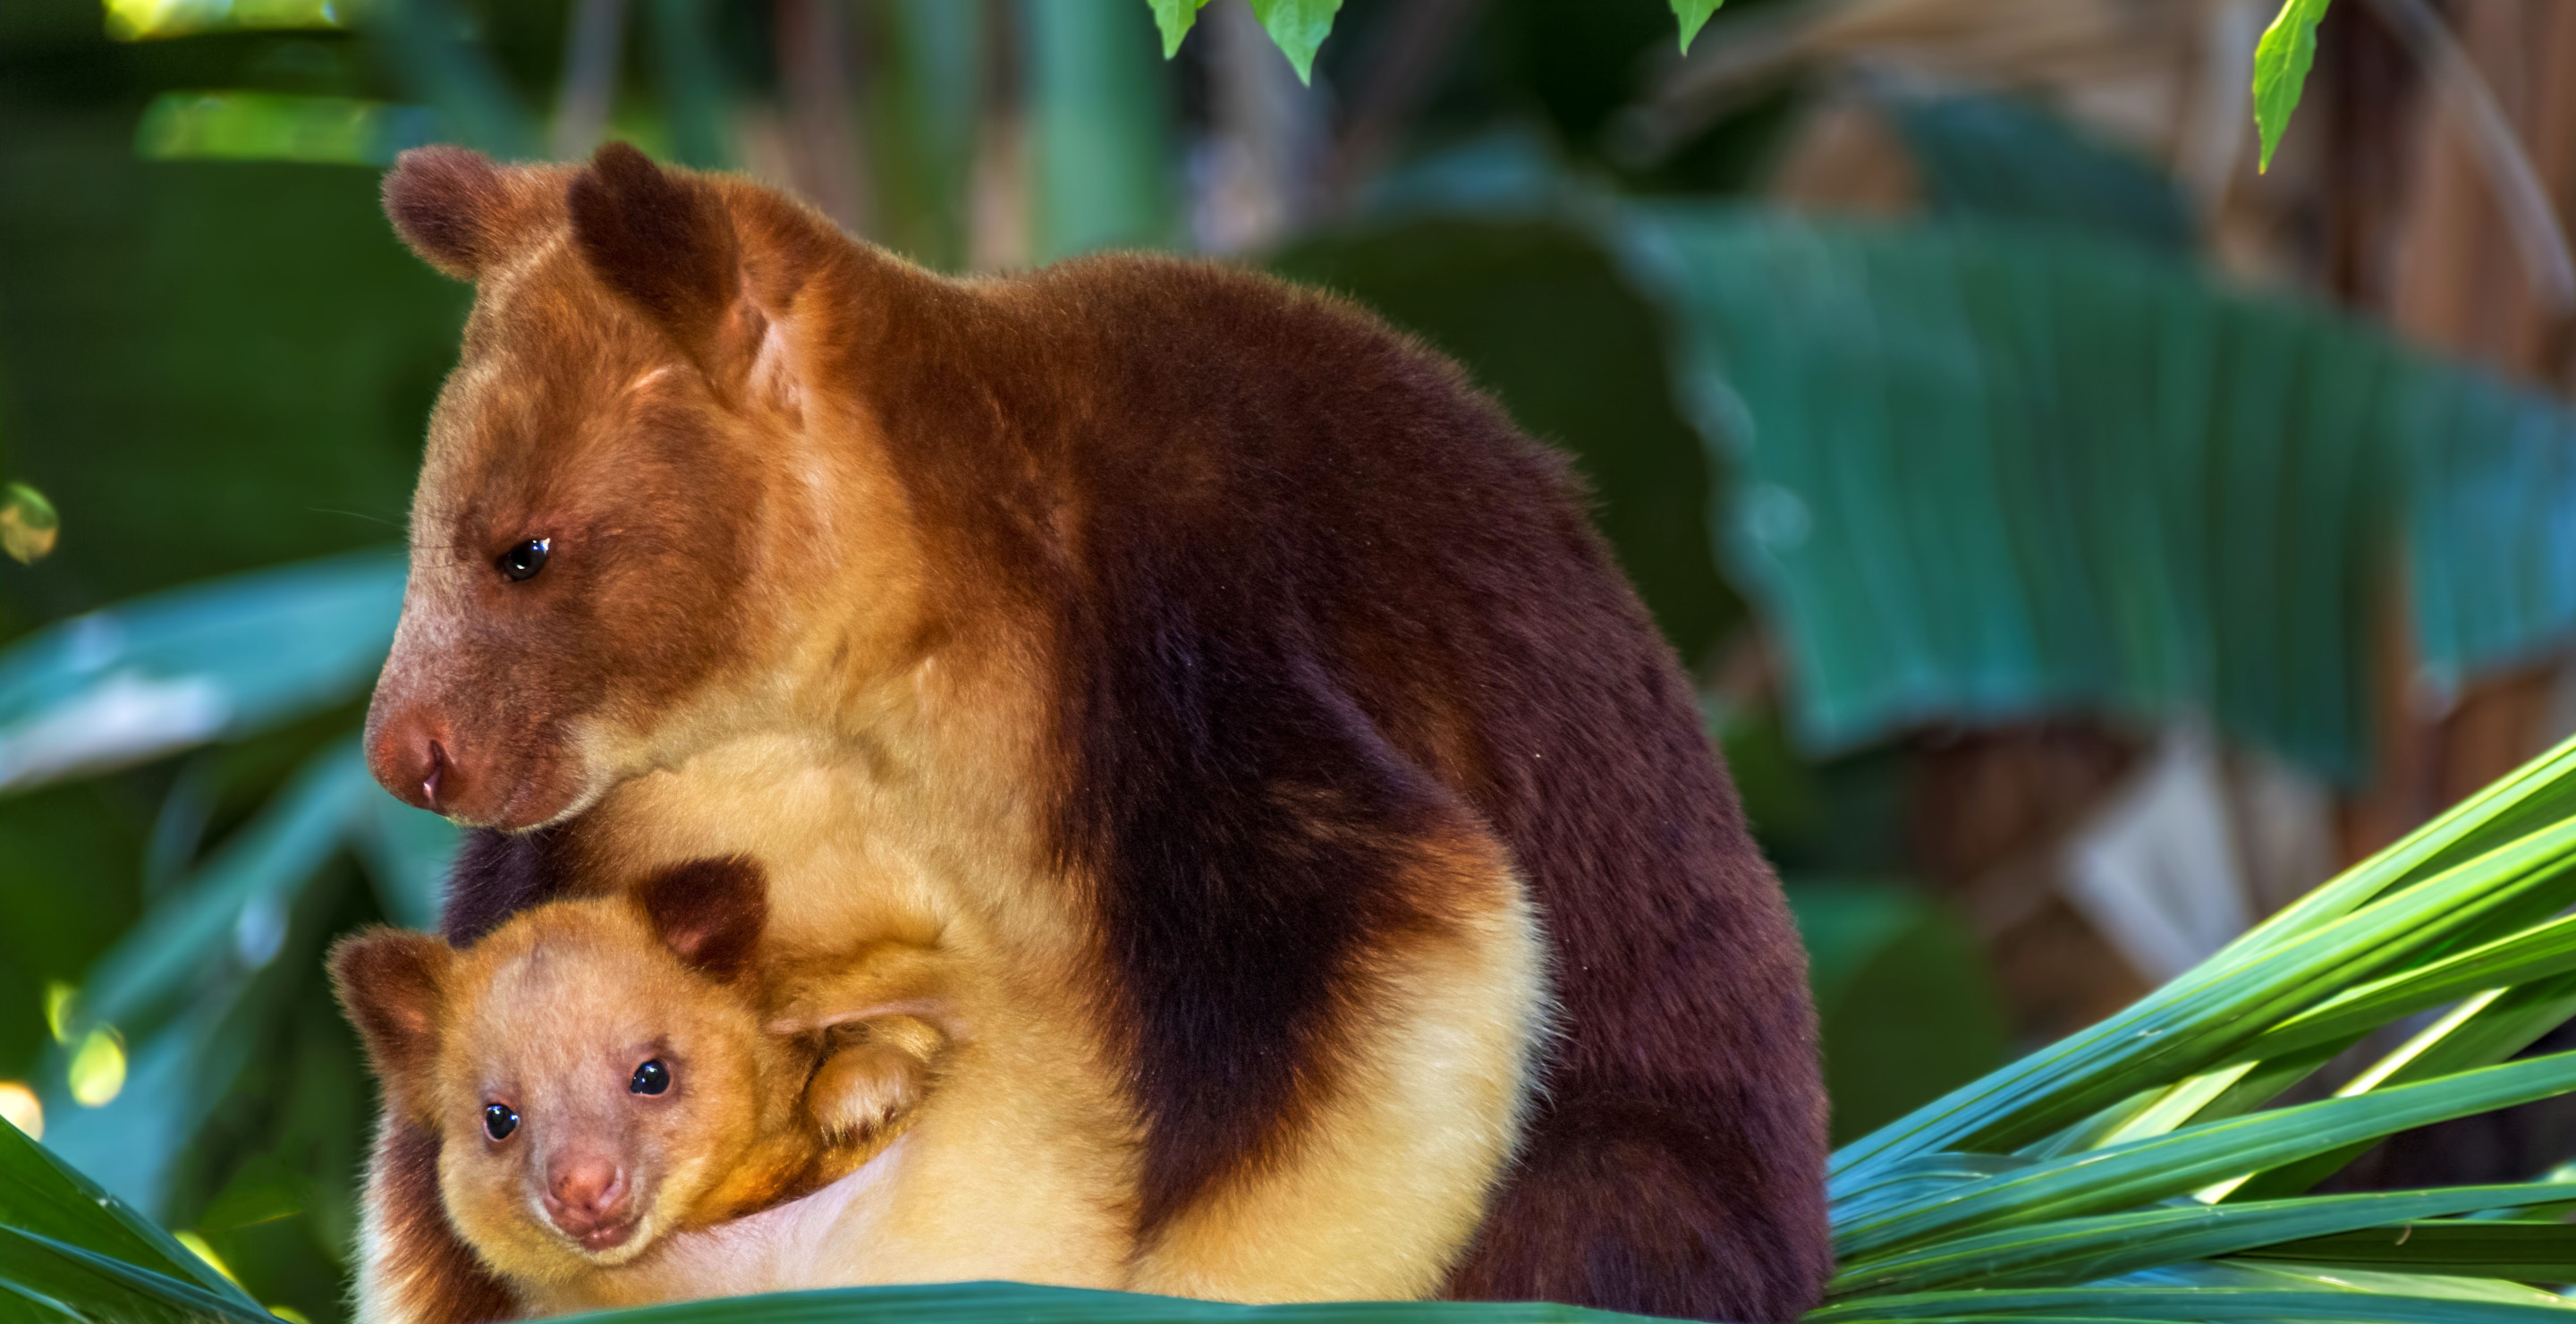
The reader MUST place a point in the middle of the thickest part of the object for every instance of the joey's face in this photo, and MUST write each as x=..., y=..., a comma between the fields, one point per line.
x=583, y=574
x=591, y=1094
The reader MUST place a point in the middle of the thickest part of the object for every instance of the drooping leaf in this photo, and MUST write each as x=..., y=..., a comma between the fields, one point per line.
x=209, y=661
x=2281, y=62
x=1175, y=18
x=1692, y=16
x=1299, y=27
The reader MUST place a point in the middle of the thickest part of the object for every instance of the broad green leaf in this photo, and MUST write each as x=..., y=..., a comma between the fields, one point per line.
x=2078, y=1250
x=1693, y=15
x=63, y=1238
x=1299, y=27
x=1988, y=470
x=210, y=661
x=2281, y=64
x=2523, y=1252
x=1998, y=156
x=1175, y=18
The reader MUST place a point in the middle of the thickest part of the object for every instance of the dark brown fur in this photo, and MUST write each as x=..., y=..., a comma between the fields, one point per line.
x=710, y=912
x=431, y=1270
x=1318, y=614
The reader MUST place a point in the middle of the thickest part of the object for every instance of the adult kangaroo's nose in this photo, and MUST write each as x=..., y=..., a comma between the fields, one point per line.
x=413, y=755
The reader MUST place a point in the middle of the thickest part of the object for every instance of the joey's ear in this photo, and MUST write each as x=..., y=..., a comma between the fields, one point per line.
x=392, y=984
x=708, y=912
x=666, y=242
x=452, y=206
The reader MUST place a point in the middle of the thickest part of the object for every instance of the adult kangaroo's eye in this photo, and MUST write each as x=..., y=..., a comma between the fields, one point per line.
x=650, y=1078
x=499, y=1121
x=526, y=559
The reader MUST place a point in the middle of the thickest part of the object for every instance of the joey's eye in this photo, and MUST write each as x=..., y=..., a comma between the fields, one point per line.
x=650, y=1078
x=526, y=559
x=499, y=1121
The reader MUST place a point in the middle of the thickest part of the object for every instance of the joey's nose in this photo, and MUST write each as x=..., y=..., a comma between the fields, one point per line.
x=586, y=1196
x=413, y=757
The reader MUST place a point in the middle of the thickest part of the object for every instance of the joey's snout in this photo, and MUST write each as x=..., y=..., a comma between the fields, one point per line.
x=589, y=1197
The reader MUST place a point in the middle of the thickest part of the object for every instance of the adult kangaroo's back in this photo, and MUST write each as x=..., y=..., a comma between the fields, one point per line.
x=1322, y=838
x=1365, y=499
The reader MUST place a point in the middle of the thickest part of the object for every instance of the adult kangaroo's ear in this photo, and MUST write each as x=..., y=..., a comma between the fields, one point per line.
x=454, y=207
x=665, y=241
x=708, y=912
x=392, y=984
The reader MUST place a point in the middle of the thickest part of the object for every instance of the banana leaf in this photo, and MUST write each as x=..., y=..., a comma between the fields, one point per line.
x=1992, y=470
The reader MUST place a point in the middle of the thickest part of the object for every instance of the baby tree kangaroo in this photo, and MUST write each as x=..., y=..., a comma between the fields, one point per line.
x=602, y=1075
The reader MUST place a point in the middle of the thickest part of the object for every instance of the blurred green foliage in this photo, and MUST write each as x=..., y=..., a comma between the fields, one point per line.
x=218, y=366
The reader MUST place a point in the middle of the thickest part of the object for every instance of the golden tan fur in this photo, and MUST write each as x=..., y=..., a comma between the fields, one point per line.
x=551, y=1014
x=1021, y=1166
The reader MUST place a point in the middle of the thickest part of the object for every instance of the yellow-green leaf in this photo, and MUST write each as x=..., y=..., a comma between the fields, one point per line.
x=1693, y=15
x=28, y=524
x=1299, y=27
x=98, y=1068
x=2281, y=64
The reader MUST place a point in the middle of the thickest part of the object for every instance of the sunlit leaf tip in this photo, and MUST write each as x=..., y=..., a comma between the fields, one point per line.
x=1175, y=18
x=28, y=524
x=1693, y=15
x=1299, y=27
x=207, y=1253
x=2281, y=65
x=20, y=1107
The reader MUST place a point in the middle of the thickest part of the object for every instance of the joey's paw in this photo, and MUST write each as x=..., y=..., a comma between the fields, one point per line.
x=872, y=1073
